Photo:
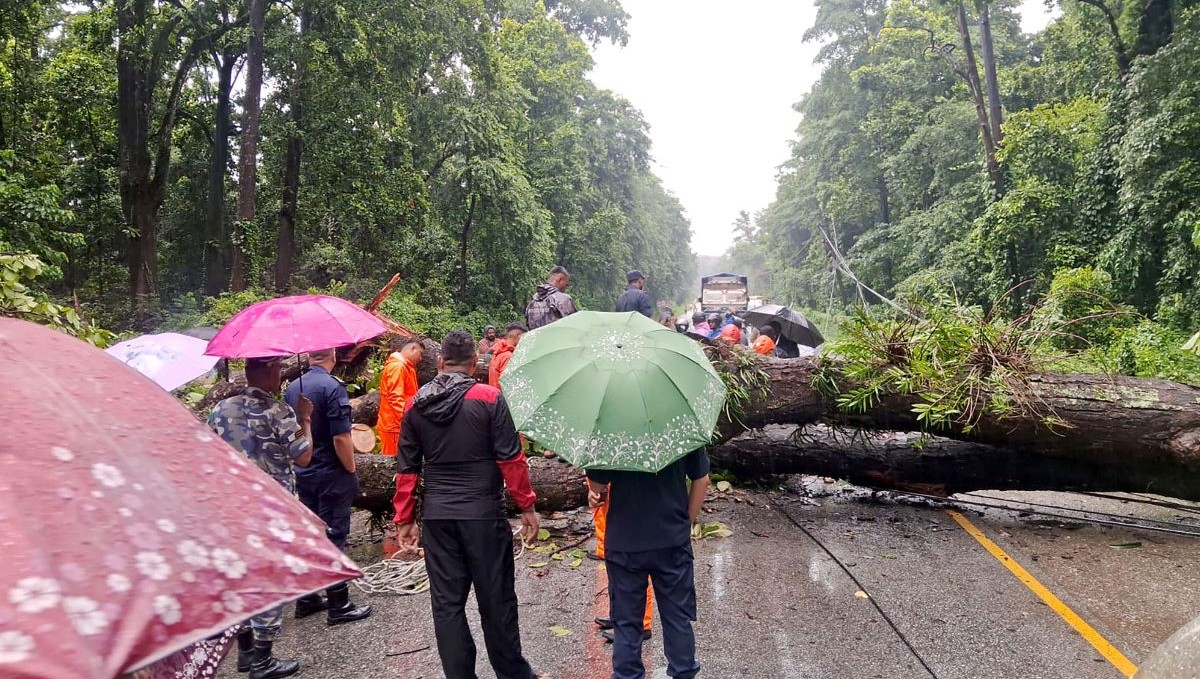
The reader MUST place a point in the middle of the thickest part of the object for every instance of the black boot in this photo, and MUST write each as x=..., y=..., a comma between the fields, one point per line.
x=341, y=609
x=309, y=605
x=267, y=666
x=245, y=657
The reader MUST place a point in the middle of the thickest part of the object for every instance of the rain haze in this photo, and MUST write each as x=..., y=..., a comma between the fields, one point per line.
x=717, y=86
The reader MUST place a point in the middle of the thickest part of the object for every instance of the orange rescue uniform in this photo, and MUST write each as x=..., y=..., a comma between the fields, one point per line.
x=397, y=386
x=600, y=520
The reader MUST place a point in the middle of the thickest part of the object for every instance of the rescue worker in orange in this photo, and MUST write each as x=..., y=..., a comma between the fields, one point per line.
x=600, y=522
x=765, y=344
x=397, y=386
x=502, y=352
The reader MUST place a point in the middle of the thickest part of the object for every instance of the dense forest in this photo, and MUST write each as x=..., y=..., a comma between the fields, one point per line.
x=163, y=162
x=944, y=153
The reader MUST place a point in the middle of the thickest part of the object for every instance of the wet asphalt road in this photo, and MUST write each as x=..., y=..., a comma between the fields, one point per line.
x=774, y=604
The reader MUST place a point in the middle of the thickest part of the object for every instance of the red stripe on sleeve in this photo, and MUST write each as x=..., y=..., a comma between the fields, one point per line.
x=405, y=500
x=516, y=478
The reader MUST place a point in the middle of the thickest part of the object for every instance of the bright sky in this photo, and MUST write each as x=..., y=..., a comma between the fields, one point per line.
x=716, y=81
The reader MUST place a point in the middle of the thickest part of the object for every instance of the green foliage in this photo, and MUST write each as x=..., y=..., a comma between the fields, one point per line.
x=19, y=301
x=458, y=143
x=436, y=322
x=1079, y=301
x=959, y=364
x=1152, y=350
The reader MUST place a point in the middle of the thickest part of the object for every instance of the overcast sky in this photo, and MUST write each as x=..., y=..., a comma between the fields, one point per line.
x=716, y=81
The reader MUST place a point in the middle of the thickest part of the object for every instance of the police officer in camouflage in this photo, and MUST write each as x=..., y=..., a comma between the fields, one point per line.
x=277, y=439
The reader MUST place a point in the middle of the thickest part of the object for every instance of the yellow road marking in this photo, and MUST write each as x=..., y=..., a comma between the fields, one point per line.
x=1102, y=645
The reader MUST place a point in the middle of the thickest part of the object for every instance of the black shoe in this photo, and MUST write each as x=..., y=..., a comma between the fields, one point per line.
x=310, y=605
x=341, y=609
x=246, y=654
x=605, y=623
x=594, y=556
x=267, y=666
x=610, y=635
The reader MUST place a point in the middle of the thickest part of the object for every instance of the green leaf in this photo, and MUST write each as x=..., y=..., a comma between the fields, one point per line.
x=724, y=486
x=576, y=563
x=557, y=557
x=540, y=564
x=560, y=631
x=543, y=535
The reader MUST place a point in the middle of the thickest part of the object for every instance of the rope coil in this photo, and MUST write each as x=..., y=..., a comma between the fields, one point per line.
x=408, y=577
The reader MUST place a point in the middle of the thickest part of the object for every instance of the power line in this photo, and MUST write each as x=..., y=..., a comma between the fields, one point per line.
x=887, y=618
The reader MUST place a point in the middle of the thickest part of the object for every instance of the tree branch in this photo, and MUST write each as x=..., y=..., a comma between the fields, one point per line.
x=1118, y=43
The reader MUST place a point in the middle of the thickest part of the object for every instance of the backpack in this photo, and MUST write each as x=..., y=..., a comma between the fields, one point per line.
x=540, y=311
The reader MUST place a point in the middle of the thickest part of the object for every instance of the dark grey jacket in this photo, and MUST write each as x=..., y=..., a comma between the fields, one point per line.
x=636, y=300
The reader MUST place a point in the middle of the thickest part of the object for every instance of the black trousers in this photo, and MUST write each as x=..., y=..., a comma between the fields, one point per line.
x=459, y=555
x=671, y=573
x=329, y=494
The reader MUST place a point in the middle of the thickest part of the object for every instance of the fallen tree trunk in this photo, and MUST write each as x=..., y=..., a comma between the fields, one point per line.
x=937, y=466
x=889, y=460
x=558, y=485
x=1106, y=420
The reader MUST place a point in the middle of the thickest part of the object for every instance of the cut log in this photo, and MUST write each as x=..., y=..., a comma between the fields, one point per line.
x=558, y=485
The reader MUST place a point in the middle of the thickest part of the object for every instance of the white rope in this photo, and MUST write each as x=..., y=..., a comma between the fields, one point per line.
x=406, y=577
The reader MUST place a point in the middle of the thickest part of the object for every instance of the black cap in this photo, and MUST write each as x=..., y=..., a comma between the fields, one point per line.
x=634, y=275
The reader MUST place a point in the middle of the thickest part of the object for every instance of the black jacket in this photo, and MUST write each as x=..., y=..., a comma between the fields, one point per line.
x=460, y=434
x=636, y=300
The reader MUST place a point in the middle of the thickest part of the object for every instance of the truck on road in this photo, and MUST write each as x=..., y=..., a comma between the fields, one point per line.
x=724, y=291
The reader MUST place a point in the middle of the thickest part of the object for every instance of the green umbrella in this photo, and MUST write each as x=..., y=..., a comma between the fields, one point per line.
x=613, y=391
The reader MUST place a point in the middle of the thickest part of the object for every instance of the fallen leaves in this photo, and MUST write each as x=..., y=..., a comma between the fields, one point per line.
x=703, y=531
x=560, y=631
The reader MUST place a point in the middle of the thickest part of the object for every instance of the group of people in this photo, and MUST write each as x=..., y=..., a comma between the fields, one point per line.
x=458, y=436
x=768, y=340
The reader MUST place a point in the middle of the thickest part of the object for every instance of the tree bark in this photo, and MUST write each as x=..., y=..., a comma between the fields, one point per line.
x=285, y=251
x=248, y=152
x=463, y=273
x=988, y=49
x=558, y=485
x=215, y=233
x=937, y=466
x=971, y=74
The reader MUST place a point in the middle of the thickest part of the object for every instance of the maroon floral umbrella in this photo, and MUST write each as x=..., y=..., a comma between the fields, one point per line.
x=129, y=532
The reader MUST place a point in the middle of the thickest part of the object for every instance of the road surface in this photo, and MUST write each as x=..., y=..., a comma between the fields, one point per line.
x=773, y=603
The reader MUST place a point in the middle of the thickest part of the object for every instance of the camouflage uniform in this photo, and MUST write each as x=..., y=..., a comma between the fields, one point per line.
x=267, y=431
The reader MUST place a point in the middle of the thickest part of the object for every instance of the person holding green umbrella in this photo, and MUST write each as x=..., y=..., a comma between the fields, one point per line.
x=634, y=404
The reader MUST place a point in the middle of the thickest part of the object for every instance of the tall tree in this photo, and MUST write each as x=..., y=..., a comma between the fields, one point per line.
x=248, y=153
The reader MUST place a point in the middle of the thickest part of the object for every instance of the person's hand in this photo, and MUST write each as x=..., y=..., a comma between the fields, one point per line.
x=595, y=499
x=304, y=410
x=531, y=523
x=407, y=536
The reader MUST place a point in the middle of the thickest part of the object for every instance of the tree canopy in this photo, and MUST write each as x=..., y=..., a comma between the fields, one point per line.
x=156, y=152
x=944, y=151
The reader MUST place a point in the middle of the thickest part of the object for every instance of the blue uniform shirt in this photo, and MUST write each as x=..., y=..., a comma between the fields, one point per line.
x=650, y=511
x=331, y=417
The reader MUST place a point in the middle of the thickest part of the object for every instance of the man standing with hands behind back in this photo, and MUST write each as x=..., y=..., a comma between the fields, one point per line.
x=649, y=535
x=330, y=483
x=459, y=434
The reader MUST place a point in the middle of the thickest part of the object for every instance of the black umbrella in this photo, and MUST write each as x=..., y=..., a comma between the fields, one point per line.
x=792, y=324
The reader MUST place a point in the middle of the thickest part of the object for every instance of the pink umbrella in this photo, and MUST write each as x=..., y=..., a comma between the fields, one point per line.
x=128, y=530
x=294, y=325
x=170, y=359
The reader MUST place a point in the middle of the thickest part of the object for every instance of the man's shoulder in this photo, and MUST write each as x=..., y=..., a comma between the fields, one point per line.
x=484, y=392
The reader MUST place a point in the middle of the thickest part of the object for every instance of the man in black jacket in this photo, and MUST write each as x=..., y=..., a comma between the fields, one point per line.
x=635, y=298
x=460, y=435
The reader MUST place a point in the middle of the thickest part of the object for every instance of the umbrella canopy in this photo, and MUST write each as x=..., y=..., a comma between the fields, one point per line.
x=170, y=359
x=294, y=325
x=613, y=391
x=129, y=531
x=792, y=324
